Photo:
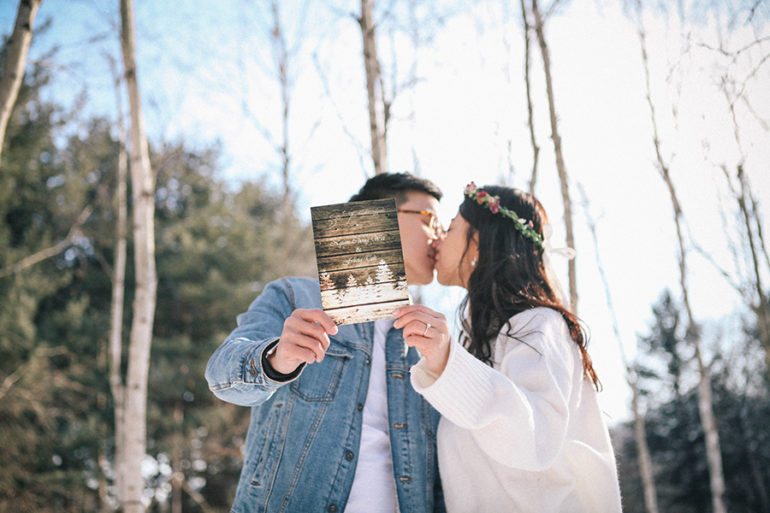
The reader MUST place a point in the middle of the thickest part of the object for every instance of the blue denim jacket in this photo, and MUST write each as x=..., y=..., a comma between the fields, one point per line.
x=303, y=440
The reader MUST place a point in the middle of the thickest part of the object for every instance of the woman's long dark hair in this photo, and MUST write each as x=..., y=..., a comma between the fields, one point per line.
x=509, y=276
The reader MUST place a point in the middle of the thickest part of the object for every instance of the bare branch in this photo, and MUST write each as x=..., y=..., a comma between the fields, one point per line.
x=38, y=354
x=736, y=53
x=73, y=233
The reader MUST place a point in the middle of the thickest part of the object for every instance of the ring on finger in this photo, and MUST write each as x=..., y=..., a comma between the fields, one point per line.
x=427, y=327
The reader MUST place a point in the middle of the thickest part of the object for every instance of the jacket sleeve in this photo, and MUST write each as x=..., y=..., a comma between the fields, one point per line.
x=235, y=371
x=518, y=415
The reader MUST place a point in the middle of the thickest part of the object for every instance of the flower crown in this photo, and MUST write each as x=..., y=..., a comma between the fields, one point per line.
x=483, y=198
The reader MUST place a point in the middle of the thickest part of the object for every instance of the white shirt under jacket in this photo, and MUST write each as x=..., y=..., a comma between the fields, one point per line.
x=526, y=435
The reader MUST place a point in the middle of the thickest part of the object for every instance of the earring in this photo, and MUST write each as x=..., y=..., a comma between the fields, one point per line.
x=473, y=262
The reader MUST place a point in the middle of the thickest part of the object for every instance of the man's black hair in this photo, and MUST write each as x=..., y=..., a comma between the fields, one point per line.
x=395, y=185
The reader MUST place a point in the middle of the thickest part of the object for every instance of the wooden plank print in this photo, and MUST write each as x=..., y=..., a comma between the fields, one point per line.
x=360, y=260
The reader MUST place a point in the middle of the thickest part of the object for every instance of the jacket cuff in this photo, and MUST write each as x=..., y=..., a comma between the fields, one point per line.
x=273, y=374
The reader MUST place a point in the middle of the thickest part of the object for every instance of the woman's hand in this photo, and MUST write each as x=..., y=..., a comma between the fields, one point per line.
x=426, y=330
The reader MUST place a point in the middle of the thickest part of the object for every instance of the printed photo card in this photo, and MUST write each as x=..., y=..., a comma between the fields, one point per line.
x=360, y=261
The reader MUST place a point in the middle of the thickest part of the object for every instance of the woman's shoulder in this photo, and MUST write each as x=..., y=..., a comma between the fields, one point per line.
x=540, y=316
x=538, y=326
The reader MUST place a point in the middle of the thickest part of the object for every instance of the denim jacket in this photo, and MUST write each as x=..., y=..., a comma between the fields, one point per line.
x=303, y=440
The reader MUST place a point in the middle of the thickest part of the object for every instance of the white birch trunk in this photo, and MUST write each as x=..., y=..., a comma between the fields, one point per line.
x=143, y=188
x=17, y=49
x=118, y=296
x=374, y=90
x=563, y=178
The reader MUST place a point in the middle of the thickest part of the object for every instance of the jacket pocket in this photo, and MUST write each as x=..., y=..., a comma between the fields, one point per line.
x=319, y=381
x=267, y=452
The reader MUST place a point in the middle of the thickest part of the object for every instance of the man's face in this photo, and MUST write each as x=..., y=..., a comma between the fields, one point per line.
x=417, y=236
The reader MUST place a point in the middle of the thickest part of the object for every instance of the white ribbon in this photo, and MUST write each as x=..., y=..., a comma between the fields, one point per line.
x=550, y=272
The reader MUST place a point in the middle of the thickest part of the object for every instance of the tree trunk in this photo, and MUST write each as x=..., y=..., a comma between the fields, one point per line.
x=705, y=405
x=530, y=111
x=374, y=92
x=643, y=450
x=143, y=189
x=17, y=49
x=281, y=56
x=118, y=297
x=563, y=178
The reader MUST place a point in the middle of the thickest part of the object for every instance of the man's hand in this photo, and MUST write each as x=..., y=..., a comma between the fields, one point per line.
x=304, y=340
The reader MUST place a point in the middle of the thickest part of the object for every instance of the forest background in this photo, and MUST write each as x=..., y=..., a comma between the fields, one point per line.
x=643, y=128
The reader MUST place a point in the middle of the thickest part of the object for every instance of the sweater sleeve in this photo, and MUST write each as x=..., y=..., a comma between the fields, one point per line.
x=518, y=414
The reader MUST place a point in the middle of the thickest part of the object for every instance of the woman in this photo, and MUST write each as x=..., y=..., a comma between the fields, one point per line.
x=521, y=428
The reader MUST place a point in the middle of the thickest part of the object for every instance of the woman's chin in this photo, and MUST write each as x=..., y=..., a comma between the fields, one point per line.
x=443, y=279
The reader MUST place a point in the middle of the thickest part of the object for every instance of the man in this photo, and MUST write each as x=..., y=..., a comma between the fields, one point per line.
x=335, y=424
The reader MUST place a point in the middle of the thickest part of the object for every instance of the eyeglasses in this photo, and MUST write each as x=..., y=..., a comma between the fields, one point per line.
x=433, y=222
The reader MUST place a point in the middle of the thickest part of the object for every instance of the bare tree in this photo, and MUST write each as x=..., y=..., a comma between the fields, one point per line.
x=528, y=85
x=17, y=49
x=118, y=275
x=561, y=168
x=143, y=196
x=379, y=107
x=705, y=403
x=645, y=461
x=754, y=294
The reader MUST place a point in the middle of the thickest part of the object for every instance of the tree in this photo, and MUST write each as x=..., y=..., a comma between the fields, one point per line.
x=528, y=87
x=143, y=189
x=17, y=49
x=705, y=407
x=379, y=108
x=117, y=299
x=556, y=138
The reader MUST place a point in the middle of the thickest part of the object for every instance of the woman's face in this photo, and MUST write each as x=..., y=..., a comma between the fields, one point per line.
x=452, y=267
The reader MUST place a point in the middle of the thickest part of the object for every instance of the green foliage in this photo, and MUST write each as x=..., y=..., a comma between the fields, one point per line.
x=217, y=245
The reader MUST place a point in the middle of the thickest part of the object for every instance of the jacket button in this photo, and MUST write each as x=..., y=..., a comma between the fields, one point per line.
x=332, y=508
x=360, y=407
x=349, y=455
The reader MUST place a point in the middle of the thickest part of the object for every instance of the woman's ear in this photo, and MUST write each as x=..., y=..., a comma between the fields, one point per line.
x=473, y=249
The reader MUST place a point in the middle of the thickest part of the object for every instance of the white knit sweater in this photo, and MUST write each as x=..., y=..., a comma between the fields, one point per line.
x=526, y=435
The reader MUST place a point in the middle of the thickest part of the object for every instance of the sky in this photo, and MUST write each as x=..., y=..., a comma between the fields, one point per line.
x=206, y=76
